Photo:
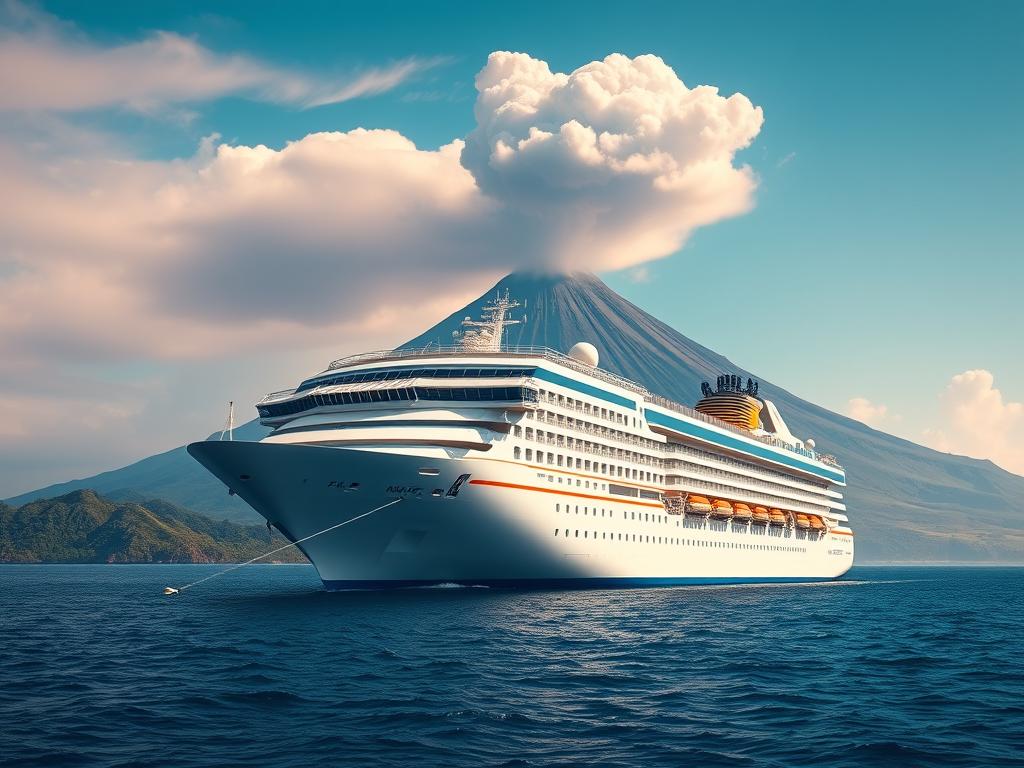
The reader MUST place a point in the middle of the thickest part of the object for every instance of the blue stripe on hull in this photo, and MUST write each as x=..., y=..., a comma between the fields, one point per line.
x=588, y=389
x=581, y=583
x=728, y=441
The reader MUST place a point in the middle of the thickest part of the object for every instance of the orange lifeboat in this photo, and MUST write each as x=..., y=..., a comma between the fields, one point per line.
x=741, y=512
x=777, y=516
x=698, y=505
x=761, y=516
x=815, y=522
x=802, y=521
x=721, y=508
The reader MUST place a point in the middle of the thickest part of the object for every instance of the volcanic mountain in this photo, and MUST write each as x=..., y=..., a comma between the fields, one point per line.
x=906, y=502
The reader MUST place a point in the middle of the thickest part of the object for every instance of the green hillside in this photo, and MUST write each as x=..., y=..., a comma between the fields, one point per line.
x=83, y=527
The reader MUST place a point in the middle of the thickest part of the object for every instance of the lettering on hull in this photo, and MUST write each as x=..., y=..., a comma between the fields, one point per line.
x=406, y=491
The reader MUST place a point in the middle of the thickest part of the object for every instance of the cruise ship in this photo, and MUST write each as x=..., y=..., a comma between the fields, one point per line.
x=486, y=464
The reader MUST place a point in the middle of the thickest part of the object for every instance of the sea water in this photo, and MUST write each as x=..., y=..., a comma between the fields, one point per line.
x=891, y=666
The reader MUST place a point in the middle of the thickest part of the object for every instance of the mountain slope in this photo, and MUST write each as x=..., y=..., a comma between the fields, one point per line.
x=82, y=527
x=172, y=475
x=907, y=502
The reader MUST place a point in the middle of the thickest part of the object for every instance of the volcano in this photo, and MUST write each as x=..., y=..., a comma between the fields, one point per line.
x=907, y=503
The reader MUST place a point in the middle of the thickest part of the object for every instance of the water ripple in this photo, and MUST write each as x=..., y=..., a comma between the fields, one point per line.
x=902, y=667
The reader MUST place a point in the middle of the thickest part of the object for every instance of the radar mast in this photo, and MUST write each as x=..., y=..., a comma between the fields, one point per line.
x=485, y=335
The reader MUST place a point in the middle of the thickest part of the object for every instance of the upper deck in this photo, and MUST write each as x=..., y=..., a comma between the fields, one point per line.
x=510, y=368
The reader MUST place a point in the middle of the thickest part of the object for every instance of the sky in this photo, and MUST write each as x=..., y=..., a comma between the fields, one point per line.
x=206, y=203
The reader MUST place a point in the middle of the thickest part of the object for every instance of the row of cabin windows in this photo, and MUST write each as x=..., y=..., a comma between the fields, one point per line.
x=687, y=467
x=645, y=538
x=586, y=465
x=649, y=517
x=571, y=422
x=395, y=374
x=569, y=462
x=457, y=394
x=643, y=517
x=595, y=410
x=619, y=418
x=557, y=438
x=746, y=466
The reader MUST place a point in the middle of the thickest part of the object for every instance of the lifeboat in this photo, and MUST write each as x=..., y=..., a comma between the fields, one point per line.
x=698, y=505
x=815, y=522
x=761, y=516
x=777, y=516
x=741, y=512
x=721, y=508
x=802, y=521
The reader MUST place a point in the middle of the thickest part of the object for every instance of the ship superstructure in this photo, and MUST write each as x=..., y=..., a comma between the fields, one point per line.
x=523, y=465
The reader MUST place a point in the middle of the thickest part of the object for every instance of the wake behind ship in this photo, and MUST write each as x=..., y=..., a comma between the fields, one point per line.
x=527, y=466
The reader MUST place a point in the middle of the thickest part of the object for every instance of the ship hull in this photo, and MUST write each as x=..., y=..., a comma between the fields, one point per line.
x=504, y=524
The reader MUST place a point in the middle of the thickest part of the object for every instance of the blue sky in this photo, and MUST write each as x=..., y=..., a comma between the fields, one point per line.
x=881, y=258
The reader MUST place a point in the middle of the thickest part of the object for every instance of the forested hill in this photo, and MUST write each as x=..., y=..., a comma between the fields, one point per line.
x=83, y=527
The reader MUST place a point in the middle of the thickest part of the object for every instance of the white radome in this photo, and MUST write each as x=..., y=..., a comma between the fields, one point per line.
x=584, y=353
x=810, y=443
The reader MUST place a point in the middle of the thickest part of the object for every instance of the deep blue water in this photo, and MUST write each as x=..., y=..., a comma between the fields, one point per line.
x=897, y=666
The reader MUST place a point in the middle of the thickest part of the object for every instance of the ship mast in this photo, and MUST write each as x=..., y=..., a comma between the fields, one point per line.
x=485, y=335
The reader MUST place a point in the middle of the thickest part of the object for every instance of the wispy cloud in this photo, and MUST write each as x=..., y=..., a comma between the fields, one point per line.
x=786, y=160
x=377, y=80
x=47, y=65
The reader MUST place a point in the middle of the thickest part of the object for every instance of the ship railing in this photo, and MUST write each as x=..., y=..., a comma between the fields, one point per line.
x=284, y=394
x=756, y=497
x=517, y=351
x=273, y=397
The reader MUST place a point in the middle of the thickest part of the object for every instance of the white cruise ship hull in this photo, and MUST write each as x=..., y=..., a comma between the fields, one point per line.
x=508, y=524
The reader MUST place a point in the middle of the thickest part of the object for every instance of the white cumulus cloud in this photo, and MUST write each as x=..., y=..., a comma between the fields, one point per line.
x=978, y=422
x=613, y=164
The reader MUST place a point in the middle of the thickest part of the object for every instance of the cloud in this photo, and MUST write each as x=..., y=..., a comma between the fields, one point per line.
x=863, y=410
x=612, y=165
x=786, y=160
x=376, y=80
x=339, y=232
x=977, y=422
x=351, y=239
x=46, y=65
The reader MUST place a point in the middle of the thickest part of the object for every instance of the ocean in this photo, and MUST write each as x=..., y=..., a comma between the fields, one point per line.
x=891, y=666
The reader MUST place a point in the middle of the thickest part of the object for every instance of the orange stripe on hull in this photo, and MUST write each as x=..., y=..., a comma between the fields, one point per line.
x=517, y=487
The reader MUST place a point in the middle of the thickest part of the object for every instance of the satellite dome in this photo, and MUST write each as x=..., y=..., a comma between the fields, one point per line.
x=584, y=353
x=809, y=443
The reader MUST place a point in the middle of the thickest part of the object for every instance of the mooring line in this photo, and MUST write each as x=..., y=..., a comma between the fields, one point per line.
x=173, y=591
